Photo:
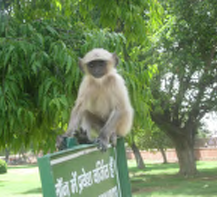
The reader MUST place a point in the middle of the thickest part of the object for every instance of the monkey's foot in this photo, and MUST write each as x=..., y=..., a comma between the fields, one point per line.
x=61, y=142
x=81, y=136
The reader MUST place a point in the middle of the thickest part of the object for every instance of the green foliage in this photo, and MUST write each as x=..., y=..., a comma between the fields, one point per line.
x=186, y=85
x=113, y=14
x=3, y=167
x=153, y=139
x=132, y=18
x=103, y=38
x=40, y=42
x=39, y=78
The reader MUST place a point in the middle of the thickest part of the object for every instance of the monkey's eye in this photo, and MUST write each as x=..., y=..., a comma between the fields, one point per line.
x=91, y=64
x=101, y=63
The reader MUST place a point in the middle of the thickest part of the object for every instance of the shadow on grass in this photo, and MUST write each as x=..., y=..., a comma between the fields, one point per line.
x=2, y=184
x=157, y=167
x=33, y=191
x=22, y=166
x=167, y=186
x=162, y=180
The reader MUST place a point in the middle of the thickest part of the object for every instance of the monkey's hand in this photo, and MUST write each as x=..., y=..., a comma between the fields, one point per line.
x=103, y=142
x=81, y=136
x=113, y=139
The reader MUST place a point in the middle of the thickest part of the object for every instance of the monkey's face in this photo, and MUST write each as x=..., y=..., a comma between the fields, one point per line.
x=97, y=68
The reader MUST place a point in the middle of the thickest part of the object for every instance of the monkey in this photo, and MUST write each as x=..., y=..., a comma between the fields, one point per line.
x=103, y=104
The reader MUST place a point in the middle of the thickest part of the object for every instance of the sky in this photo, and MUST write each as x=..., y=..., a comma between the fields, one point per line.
x=210, y=121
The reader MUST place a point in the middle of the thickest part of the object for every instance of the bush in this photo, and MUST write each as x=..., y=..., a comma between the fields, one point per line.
x=3, y=166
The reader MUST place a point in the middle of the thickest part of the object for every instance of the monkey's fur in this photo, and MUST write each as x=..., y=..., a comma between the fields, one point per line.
x=102, y=103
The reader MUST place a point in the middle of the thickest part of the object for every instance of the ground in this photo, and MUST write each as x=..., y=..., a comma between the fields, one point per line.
x=21, y=181
x=157, y=180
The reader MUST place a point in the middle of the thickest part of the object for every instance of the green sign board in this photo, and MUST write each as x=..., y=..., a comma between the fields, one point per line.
x=84, y=171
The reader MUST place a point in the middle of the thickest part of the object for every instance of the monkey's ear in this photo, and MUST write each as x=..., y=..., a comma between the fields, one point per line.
x=115, y=58
x=81, y=65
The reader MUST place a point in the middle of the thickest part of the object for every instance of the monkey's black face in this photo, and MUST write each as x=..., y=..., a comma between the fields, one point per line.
x=97, y=68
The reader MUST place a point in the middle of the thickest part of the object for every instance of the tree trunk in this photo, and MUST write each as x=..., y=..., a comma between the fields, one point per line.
x=163, y=155
x=186, y=157
x=7, y=153
x=139, y=160
x=183, y=139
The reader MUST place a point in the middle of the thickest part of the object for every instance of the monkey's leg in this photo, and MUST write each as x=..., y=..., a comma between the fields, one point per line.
x=109, y=131
x=61, y=142
x=81, y=136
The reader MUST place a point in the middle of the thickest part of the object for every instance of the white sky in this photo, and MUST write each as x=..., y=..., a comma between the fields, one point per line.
x=210, y=121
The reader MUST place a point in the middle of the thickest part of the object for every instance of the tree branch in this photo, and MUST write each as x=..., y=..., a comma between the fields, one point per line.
x=210, y=58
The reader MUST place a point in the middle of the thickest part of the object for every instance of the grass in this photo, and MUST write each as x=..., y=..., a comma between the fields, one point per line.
x=160, y=180
x=21, y=181
x=157, y=180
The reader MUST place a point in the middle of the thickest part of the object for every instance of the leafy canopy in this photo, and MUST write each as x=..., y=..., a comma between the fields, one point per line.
x=40, y=42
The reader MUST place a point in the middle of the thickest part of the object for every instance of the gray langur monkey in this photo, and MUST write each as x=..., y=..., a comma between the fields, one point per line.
x=102, y=104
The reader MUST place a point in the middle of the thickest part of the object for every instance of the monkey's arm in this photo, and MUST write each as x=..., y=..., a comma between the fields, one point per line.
x=75, y=119
x=108, y=132
x=77, y=112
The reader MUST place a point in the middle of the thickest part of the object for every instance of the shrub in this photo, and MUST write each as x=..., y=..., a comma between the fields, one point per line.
x=3, y=166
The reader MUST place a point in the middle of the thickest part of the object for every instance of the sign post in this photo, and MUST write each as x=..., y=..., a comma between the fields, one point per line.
x=84, y=171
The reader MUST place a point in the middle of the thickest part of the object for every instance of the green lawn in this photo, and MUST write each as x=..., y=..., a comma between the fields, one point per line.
x=160, y=180
x=20, y=181
x=157, y=180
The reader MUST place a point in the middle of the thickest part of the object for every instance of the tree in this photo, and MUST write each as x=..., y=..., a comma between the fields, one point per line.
x=40, y=42
x=39, y=76
x=136, y=151
x=185, y=88
x=154, y=139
